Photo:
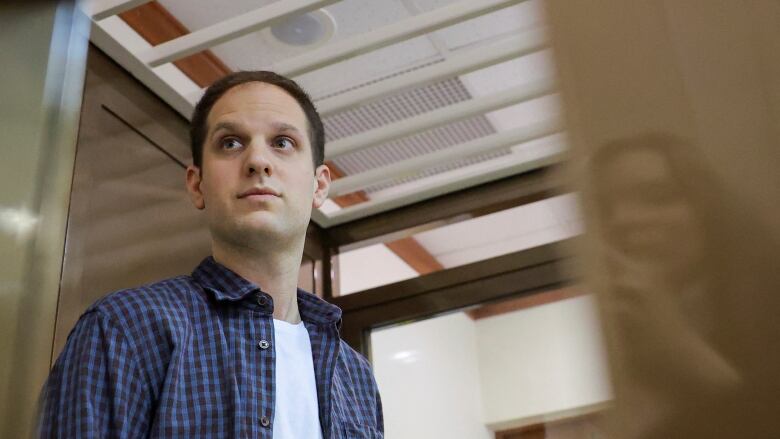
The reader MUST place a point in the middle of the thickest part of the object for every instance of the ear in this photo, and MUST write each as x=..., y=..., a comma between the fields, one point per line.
x=321, y=185
x=194, y=179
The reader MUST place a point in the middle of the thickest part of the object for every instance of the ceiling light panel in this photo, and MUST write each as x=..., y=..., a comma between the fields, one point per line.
x=405, y=105
x=396, y=107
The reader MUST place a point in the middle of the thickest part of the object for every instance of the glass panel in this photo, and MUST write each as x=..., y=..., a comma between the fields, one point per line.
x=43, y=45
x=506, y=367
x=675, y=133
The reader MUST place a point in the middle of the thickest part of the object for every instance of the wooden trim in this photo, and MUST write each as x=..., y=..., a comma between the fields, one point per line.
x=156, y=25
x=347, y=199
x=522, y=273
x=582, y=420
x=408, y=249
x=457, y=206
x=508, y=306
x=414, y=254
x=450, y=277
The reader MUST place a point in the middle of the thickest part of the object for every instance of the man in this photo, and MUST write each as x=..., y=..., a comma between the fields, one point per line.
x=235, y=350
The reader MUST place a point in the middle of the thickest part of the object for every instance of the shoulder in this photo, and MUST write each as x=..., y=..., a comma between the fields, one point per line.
x=366, y=402
x=354, y=358
x=358, y=368
x=153, y=313
x=163, y=298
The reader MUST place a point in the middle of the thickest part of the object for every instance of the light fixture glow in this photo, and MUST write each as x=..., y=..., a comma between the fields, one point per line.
x=307, y=29
x=406, y=357
x=16, y=222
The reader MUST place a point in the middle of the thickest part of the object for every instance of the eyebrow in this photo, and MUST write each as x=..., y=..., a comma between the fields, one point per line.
x=228, y=126
x=281, y=127
x=286, y=127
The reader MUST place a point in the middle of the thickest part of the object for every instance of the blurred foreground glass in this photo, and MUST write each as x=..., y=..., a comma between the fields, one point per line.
x=672, y=114
x=43, y=45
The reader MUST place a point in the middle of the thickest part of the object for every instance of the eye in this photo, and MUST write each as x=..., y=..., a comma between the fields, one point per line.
x=230, y=143
x=283, y=142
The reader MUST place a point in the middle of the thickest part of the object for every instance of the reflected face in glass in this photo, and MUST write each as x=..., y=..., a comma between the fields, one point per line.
x=647, y=213
x=257, y=173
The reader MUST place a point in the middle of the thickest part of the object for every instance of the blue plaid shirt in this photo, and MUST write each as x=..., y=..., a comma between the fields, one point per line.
x=193, y=357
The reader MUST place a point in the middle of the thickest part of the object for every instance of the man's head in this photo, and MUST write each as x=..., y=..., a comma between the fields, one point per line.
x=256, y=167
x=199, y=128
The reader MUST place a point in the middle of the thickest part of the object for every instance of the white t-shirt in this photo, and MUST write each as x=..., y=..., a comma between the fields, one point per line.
x=296, y=411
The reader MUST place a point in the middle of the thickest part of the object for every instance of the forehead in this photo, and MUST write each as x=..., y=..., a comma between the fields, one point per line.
x=257, y=99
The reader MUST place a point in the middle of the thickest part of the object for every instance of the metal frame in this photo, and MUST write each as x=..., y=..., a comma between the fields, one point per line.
x=500, y=277
x=519, y=274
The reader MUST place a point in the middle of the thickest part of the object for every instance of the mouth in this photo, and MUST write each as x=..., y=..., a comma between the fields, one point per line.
x=259, y=194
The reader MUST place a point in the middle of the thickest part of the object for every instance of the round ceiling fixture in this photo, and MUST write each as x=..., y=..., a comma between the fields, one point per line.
x=311, y=28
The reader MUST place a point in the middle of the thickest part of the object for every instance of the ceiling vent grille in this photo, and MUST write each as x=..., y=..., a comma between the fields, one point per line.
x=402, y=106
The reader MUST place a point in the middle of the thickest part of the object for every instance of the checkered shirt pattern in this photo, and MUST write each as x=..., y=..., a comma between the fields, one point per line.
x=183, y=358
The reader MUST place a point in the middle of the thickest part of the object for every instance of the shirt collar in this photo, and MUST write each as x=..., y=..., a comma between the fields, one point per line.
x=226, y=285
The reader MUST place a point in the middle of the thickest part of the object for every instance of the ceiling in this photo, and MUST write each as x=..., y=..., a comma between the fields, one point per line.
x=353, y=19
x=454, y=146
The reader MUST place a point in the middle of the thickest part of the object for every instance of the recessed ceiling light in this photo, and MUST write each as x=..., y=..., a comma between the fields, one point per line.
x=311, y=28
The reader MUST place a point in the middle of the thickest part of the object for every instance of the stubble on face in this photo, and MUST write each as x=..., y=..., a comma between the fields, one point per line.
x=257, y=141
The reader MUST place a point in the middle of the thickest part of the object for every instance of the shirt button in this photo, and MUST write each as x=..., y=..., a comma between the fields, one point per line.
x=262, y=300
x=264, y=421
x=263, y=344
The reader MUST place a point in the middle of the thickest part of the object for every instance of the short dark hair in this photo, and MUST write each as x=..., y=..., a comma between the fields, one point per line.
x=199, y=127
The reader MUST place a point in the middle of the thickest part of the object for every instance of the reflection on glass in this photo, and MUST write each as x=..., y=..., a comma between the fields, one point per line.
x=511, y=369
x=671, y=288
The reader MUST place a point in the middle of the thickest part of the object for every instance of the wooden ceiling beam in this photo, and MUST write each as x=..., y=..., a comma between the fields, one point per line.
x=154, y=23
x=407, y=248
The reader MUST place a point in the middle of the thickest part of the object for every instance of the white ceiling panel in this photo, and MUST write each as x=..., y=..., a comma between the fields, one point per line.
x=508, y=74
x=373, y=66
x=197, y=14
x=261, y=50
x=499, y=233
x=487, y=27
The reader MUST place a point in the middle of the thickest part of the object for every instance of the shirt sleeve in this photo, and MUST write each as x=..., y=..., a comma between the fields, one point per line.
x=96, y=388
x=380, y=419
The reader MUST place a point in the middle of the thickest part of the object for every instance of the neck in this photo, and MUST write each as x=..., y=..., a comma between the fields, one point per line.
x=274, y=271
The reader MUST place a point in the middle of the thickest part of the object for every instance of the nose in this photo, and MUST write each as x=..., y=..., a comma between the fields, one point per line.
x=258, y=163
